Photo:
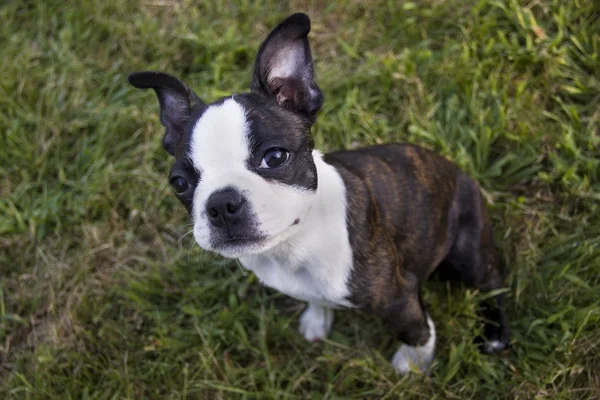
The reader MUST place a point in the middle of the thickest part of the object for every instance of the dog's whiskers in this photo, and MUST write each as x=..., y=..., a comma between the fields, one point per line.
x=176, y=231
x=181, y=239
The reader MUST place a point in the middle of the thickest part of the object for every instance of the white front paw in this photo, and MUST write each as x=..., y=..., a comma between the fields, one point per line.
x=408, y=358
x=315, y=322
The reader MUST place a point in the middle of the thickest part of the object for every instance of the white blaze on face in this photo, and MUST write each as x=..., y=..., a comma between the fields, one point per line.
x=219, y=150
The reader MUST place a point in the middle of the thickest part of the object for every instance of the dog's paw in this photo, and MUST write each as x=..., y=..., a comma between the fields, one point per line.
x=491, y=346
x=315, y=322
x=408, y=358
x=496, y=338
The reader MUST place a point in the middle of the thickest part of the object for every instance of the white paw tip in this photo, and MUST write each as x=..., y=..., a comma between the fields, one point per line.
x=415, y=358
x=409, y=359
x=494, y=346
x=315, y=323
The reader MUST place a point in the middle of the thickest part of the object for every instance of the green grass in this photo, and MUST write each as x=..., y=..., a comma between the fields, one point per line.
x=102, y=295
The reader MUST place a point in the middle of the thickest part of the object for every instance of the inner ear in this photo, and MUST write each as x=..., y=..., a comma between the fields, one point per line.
x=284, y=67
x=288, y=92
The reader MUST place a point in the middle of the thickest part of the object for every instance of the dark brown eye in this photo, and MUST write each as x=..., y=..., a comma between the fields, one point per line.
x=180, y=185
x=274, y=158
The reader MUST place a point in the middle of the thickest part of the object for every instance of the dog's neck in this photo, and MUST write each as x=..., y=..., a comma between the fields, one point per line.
x=323, y=225
x=318, y=252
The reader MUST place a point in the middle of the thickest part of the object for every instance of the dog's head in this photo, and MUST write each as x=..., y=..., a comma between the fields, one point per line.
x=244, y=164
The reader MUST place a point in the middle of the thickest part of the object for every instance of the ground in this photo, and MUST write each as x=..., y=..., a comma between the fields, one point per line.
x=103, y=293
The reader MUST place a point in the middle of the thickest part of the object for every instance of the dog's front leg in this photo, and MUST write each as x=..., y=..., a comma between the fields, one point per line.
x=315, y=322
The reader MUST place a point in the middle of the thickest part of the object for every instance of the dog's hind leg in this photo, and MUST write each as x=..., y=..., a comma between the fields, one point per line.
x=405, y=312
x=474, y=257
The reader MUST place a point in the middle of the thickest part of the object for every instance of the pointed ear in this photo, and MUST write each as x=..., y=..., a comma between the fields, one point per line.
x=176, y=104
x=284, y=67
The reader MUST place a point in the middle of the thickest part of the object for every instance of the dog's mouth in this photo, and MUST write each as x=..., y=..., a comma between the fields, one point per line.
x=235, y=246
x=238, y=246
x=242, y=241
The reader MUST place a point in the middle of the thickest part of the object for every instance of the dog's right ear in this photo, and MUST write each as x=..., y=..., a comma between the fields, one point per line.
x=176, y=104
x=283, y=69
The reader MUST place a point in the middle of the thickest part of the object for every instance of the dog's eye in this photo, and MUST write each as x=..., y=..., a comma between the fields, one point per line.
x=274, y=158
x=180, y=185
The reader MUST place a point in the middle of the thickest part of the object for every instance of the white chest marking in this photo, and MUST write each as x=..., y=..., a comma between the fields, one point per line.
x=302, y=282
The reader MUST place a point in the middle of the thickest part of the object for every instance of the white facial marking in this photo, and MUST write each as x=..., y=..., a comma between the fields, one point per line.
x=220, y=140
x=315, y=322
x=219, y=150
x=420, y=357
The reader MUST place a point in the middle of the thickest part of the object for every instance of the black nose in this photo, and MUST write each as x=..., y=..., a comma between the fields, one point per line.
x=224, y=207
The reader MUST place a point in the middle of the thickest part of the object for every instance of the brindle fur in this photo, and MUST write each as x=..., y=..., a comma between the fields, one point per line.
x=410, y=210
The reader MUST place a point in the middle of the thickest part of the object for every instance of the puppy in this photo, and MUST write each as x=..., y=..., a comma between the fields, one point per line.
x=359, y=228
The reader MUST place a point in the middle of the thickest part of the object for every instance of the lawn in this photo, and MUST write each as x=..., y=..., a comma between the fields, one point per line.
x=103, y=294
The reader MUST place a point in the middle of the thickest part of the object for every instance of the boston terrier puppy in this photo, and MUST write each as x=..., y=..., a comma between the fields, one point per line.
x=360, y=228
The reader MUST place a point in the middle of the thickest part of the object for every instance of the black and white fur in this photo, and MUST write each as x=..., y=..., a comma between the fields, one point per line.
x=258, y=191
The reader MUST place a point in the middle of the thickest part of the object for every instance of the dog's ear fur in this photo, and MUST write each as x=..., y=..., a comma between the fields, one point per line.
x=176, y=104
x=284, y=67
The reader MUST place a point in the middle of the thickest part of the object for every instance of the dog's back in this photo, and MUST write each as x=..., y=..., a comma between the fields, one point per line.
x=410, y=199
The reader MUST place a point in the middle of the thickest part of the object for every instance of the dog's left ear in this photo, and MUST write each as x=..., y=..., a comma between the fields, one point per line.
x=284, y=67
x=176, y=104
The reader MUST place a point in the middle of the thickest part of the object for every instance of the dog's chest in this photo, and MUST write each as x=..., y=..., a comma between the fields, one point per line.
x=314, y=279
